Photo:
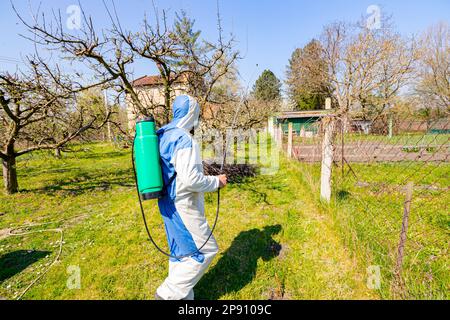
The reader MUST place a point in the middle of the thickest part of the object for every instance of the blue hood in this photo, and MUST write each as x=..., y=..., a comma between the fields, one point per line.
x=186, y=112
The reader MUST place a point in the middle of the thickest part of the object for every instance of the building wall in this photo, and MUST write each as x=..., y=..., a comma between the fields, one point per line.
x=151, y=96
x=309, y=124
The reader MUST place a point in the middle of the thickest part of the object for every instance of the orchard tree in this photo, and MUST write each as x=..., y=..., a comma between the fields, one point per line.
x=39, y=111
x=232, y=107
x=433, y=84
x=233, y=111
x=176, y=49
x=366, y=68
x=94, y=101
x=267, y=87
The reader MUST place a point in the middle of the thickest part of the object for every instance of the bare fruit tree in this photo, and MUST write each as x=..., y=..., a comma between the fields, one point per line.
x=39, y=111
x=366, y=68
x=434, y=72
x=177, y=50
x=233, y=112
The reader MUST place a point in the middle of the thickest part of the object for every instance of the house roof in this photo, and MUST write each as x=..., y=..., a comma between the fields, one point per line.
x=155, y=80
x=304, y=114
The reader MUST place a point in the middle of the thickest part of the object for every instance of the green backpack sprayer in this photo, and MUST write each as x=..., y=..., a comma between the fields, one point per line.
x=148, y=175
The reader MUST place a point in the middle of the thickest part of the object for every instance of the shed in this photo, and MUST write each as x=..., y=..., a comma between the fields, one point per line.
x=303, y=122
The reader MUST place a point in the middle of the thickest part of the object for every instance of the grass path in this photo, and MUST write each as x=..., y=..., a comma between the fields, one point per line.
x=275, y=241
x=324, y=268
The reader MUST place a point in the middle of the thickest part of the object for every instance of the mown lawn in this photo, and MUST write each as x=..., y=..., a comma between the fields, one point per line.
x=275, y=241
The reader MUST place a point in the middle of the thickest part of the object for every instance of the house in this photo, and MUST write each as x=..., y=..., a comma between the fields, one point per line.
x=304, y=123
x=361, y=125
x=150, y=90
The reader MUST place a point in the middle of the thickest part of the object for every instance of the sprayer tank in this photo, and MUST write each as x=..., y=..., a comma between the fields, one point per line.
x=146, y=153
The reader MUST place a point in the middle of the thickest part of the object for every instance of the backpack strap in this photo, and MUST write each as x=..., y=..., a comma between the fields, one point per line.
x=172, y=178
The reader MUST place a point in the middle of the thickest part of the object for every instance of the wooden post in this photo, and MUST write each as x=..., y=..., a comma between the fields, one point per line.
x=327, y=159
x=401, y=244
x=342, y=149
x=327, y=103
x=289, y=146
x=280, y=136
x=275, y=135
x=390, y=126
x=270, y=126
x=327, y=155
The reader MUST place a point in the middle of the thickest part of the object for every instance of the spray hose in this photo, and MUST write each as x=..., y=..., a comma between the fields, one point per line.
x=145, y=220
x=218, y=197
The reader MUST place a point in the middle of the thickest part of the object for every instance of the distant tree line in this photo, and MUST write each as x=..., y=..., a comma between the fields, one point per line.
x=367, y=70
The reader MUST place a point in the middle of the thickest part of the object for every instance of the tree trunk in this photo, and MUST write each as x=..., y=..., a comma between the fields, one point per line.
x=58, y=153
x=167, y=102
x=10, y=175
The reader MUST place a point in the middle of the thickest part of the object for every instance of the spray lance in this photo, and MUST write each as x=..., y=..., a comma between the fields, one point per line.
x=148, y=176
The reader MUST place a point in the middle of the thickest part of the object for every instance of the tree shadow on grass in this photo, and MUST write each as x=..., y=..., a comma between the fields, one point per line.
x=237, y=266
x=342, y=195
x=85, y=181
x=14, y=262
x=99, y=155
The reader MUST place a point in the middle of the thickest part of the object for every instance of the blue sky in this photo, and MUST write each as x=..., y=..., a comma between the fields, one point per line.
x=267, y=31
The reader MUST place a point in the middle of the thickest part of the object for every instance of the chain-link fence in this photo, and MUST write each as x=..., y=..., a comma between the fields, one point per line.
x=386, y=178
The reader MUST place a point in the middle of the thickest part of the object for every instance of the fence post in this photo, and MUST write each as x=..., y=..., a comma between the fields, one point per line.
x=327, y=159
x=270, y=126
x=328, y=103
x=280, y=136
x=274, y=135
x=401, y=244
x=390, y=124
x=289, y=146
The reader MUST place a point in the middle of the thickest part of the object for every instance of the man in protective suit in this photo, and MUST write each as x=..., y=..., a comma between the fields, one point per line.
x=182, y=207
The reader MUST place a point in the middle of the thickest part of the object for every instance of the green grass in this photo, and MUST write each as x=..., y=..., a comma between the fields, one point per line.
x=409, y=140
x=367, y=210
x=275, y=241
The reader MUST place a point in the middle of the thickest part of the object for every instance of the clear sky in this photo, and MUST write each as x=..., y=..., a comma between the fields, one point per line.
x=267, y=31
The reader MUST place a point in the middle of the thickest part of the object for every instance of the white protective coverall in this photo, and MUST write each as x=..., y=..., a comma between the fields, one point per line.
x=182, y=206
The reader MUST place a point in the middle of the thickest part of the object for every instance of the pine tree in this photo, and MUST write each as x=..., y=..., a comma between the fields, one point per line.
x=267, y=87
x=306, y=77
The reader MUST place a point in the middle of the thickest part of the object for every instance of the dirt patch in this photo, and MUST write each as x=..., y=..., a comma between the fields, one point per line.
x=374, y=152
x=4, y=233
x=279, y=292
x=283, y=251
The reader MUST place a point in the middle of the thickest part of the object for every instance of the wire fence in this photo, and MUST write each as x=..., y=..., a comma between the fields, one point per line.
x=388, y=180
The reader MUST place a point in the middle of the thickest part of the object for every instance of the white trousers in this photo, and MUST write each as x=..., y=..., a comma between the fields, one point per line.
x=184, y=274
